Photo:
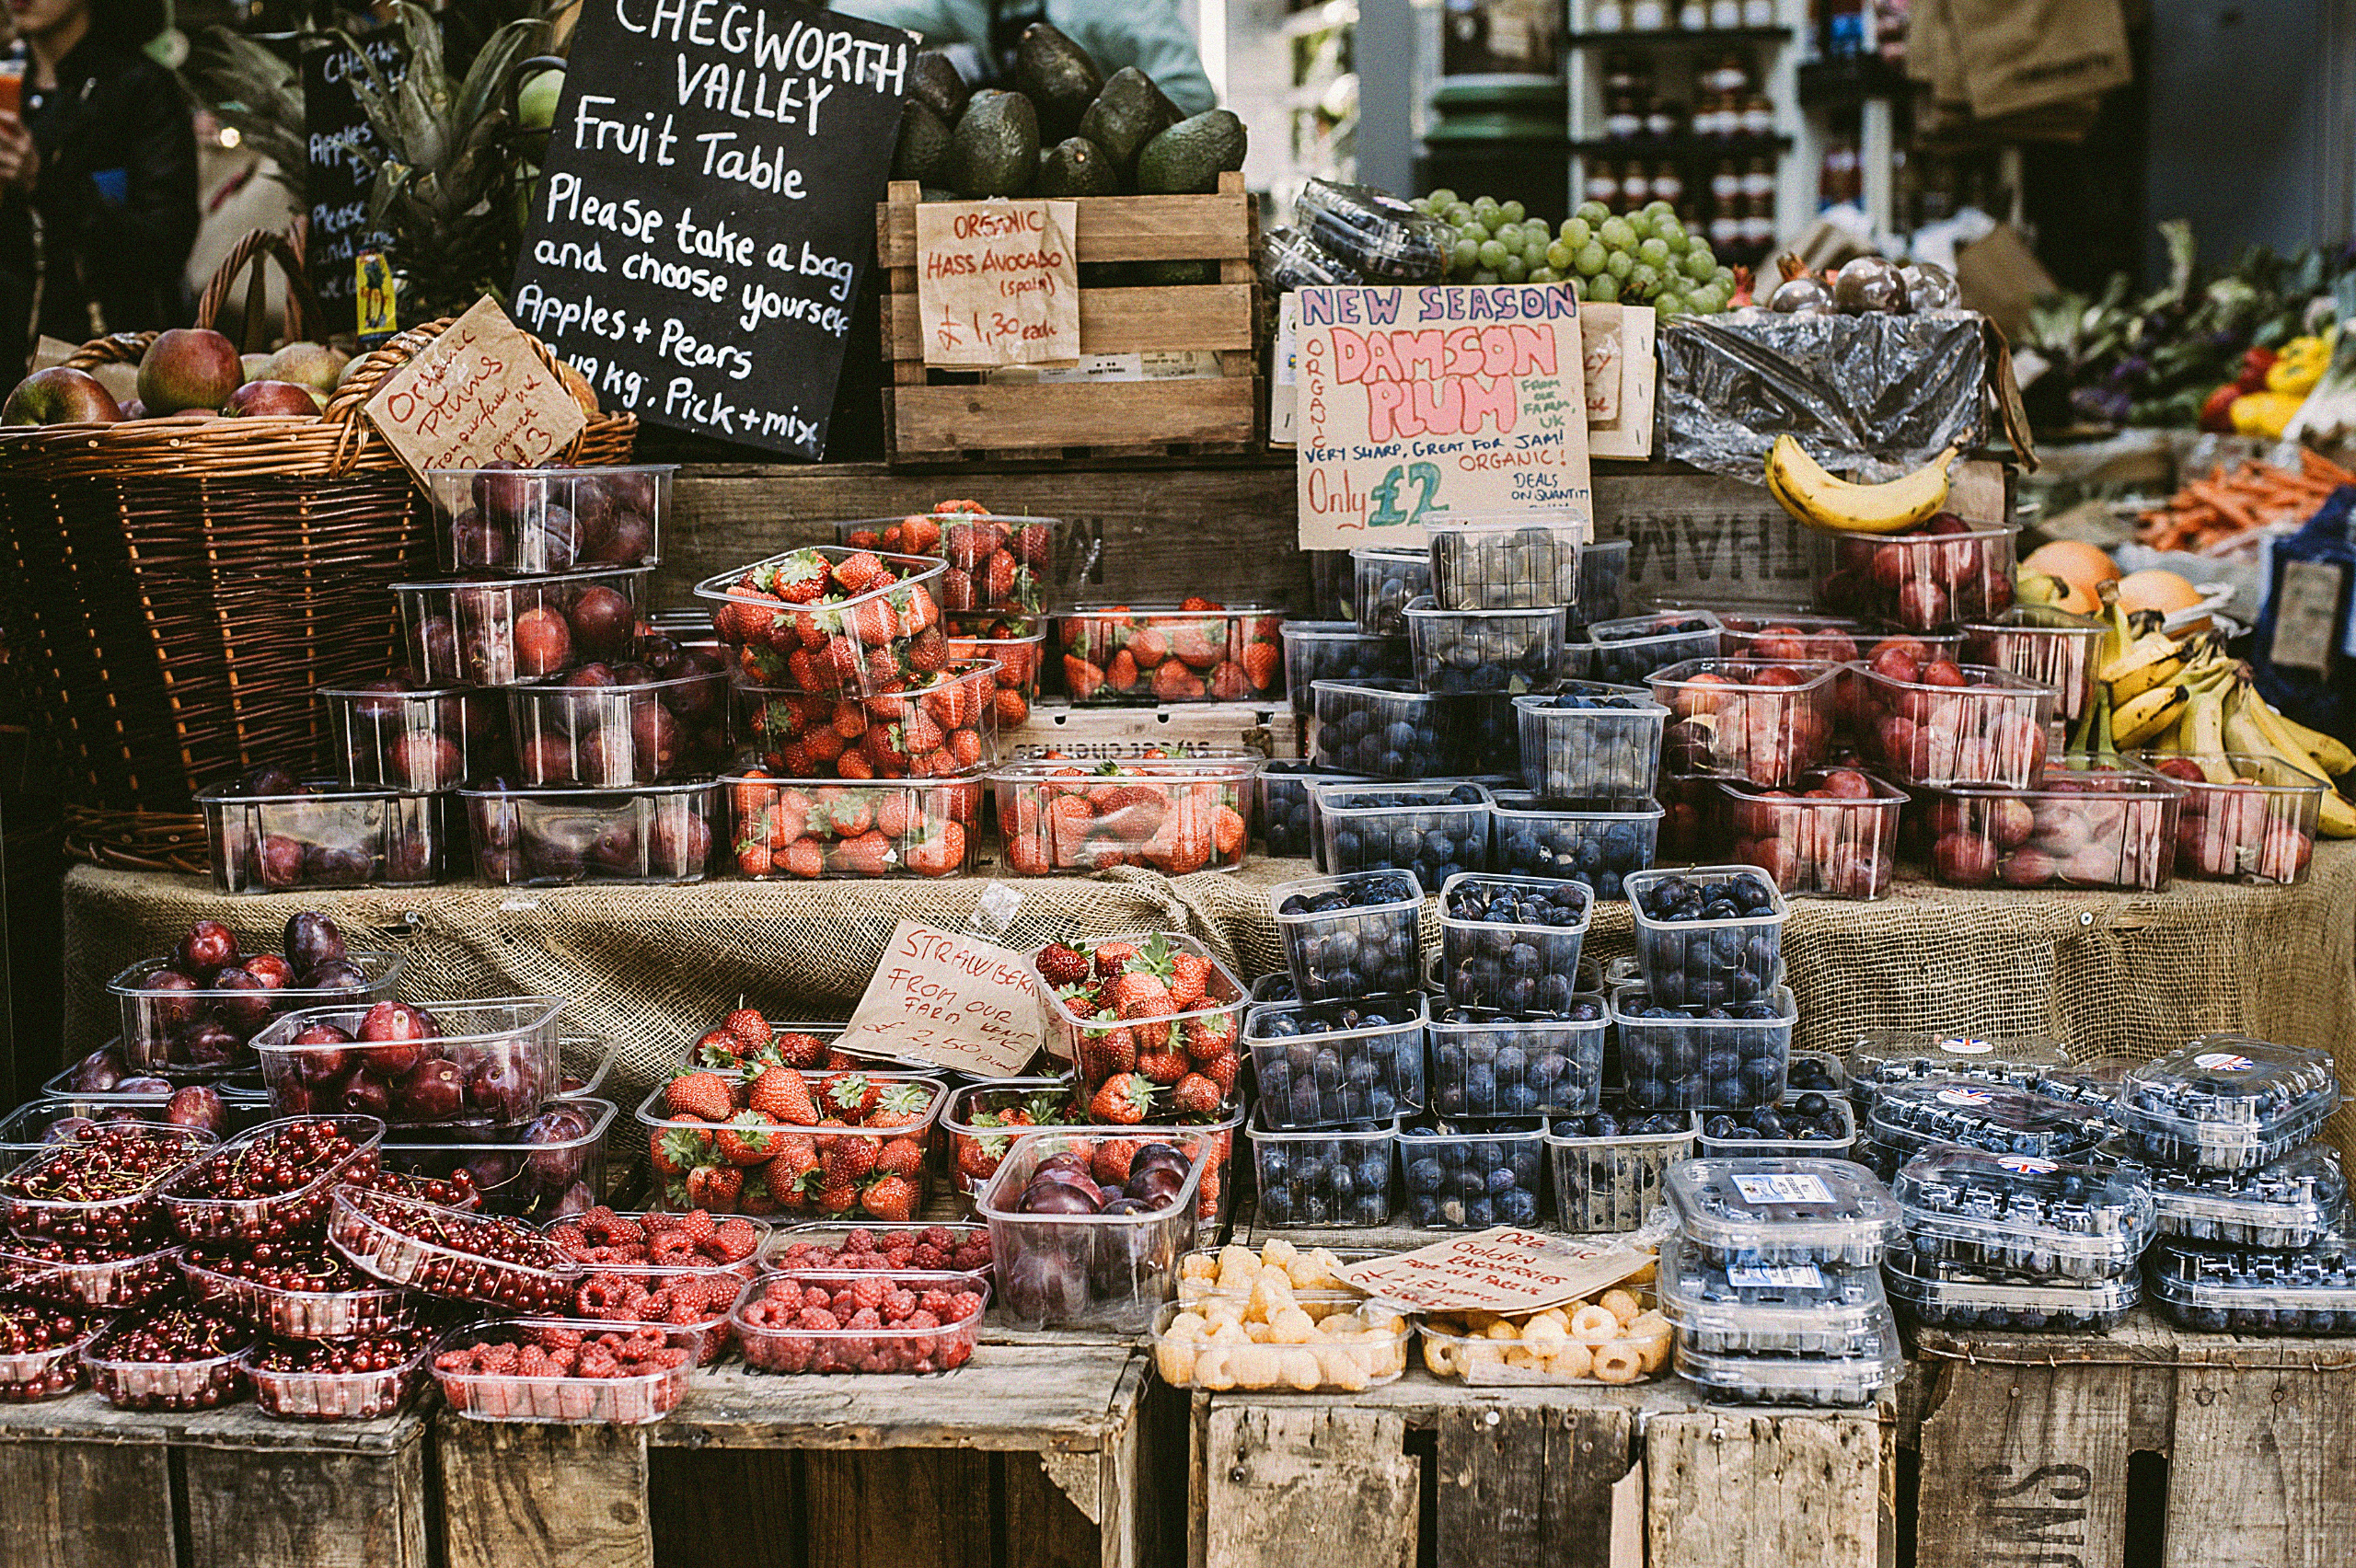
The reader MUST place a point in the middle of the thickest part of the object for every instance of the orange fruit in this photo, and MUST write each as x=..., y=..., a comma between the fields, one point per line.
x=2081, y=565
x=2155, y=588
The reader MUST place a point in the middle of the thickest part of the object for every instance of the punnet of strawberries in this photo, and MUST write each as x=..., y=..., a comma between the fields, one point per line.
x=829, y=618
x=995, y=563
x=1172, y=812
x=792, y=830
x=1199, y=652
x=1149, y=1023
x=860, y=1321
x=941, y=725
x=1013, y=644
x=771, y=1131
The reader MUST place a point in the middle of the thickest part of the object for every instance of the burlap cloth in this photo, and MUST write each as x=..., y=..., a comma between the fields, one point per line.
x=653, y=968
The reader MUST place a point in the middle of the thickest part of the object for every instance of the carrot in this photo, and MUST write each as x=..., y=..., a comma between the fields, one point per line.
x=2323, y=467
x=2229, y=506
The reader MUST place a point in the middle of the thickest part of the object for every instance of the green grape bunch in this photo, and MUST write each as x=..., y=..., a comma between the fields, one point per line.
x=1642, y=258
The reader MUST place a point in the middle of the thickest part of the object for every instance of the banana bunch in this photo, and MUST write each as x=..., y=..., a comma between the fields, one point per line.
x=2230, y=716
x=1818, y=499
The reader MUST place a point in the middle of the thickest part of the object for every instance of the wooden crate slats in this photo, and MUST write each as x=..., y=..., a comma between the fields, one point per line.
x=727, y=1507
x=2025, y=1462
x=1289, y=1485
x=1120, y=321
x=971, y=420
x=295, y=1510
x=79, y=1505
x=1529, y=1484
x=2266, y=1469
x=515, y=1495
x=1738, y=1489
x=926, y=1507
x=1110, y=228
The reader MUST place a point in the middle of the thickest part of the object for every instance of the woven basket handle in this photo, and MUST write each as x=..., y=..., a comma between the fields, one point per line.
x=115, y=348
x=303, y=306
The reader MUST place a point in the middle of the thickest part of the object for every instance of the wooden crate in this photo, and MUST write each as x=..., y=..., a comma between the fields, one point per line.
x=1031, y=1454
x=85, y=1485
x=2147, y=1446
x=1267, y=728
x=1056, y=421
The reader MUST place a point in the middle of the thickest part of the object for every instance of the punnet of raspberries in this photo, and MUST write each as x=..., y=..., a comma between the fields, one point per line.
x=561, y=1370
x=860, y=1323
x=961, y=1249
x=683, y=1269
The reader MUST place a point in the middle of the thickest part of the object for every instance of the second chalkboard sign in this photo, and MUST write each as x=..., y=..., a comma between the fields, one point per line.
x=708, y=206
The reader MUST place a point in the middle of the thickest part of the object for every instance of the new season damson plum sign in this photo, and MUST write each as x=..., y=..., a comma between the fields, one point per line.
x=707, y=209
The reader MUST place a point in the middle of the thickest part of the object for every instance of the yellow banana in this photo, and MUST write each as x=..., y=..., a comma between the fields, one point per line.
x=1824, y=500
x=2241, y=733
x=2135, y=721
x=2123, y=631
x=2331, y=754
x=2338, y=819
x=2149, y=662
x=2170, y=741
x=2204, y=730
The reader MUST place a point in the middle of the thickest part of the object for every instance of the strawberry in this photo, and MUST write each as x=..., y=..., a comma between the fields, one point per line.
x=902, y=1105
x=715, y=1186
x=929, y=652
x=745, y=1139
x=941, y=855
x=1111, y=958
x=1123, y=1101
x=1163, y=1068
x=1221, y=1071
x=1106, y=1054
x=1190, y=973
x=673, y=1151
x=1263, y=663
x=754, y=859
x=701, y=1094
x=1195, y=602
x=1195, y=1095
x=1061, y=965
x=848, y=1159
x=901, y=1157
x=799, y=1050
x=850, y=1095
x=804, y=859
x=836, y=1196
x=869, y=854
x=1139, y=993
x=890, y=1197
x=1147, y=647
x=1035, y=543
x=1173, y=682
x=1226, y=833
x=790, y=1175
x=1081, y=678
x=719, y=1049
x=956, y=590
x=857, y=573
x=1013, y=707
x=782, y=1094
x=998, y=579
x=1121, y=672
x=854, y=765
x=1198, y=644
x=1210, y=1035
x=747, y=1025
x=1228, y=683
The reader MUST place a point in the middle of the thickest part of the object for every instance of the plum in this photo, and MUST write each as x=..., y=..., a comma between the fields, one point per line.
x=209, y=947
x=246, y=1007
x=165, y=1004
x=497, y=1085
x=477, y=543
x=543, y=642
x=205, y=1043
x=97, y=1073
x=603, y=619
x=432, y=1090
x=199, y=1105
x=340, y=976
x=274, y=973
x=144, y=1083
x=1059, y=1197
x=1043, y=1286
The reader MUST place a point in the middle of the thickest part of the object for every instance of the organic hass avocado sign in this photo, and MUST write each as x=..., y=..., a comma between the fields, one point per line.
x=707, y=209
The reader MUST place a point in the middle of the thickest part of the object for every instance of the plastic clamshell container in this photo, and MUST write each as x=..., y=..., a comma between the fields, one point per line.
x=1769, y=724
x=377, y=1246
x=1383, y=581
x=1757, y=1146
x=1603, y=580
x=1176, y=814
x=504, y=1048
x=907, y=1350
x=1434, y=829
x=1598, y=842
x=1609, y=1183
x=297, y=1212
x=667, y=1196
x=1581, y=752
x=858, y=645
x=1680, y=1059
x=2083, y=826
x=496, y=632
x=329, y=836
x=1959, y=1296
x=1895, y=1057
x=1991, y=729
x=532, y=521
x=587, y=1061
x=28, y=1374
x=1996, y=1118
x=1371, y=944
x=1336, y=1070
x=1338, y=650
x=1017, y=653
x=2226, y=1103
x=2294, y=1202
x=1383, y=728
x=618, y=736
x=787, y=829
x=1373, y=233
x=522, y=1171
x=942, y=725
x=1840, y=847
x=1172, y=654
x=2024, y=1214
x=1631, y=649
x=1740, y=1213
x=1522, y=966
x=1821, y=1072
x=1324, y=1176
x=2229, y=1290
x=999, y=564
x=775, y=1245
x=1335, y=1361
x=334, y=1396
x=1083, y=1271
x=201, y=1384
x=1068, y=1034
x=1289, y=260
x=1472, y=1174
x=1921, y=582
x=1837, y=1311
x=122, y=1215
x=634, y=1401
x=1505, y=563
x=1708, y=963
x=123, y=1275
x=1802, y=1382
x=1621, y=1354
x=2260, y=829
x=650, y=833
x=417, y=741
x=360, y=1308
x=158, y=1028
x=1491, y=1064
x=1463, y=653
x=2043, y=644
x=1282, y=808
x=2091, y=1082
x=1797, y=637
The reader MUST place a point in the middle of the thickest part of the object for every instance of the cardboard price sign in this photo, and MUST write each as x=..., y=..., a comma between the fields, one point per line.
x=1503, y=1270
x=1417, y=403
x=954, y=1001
x=998, y=283
x=477, y=392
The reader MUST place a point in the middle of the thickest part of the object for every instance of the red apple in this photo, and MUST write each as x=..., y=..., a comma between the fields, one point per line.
x=189, y=368
x=60, y=396
x=271, y=399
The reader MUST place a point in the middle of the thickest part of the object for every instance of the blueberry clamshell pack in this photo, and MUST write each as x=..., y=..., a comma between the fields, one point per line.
x=1992, y=1117
x=1485, y=1063
x=1326, y=1063
x=2236, y=1290
x=1726, y=1057
x=1780, y=1309
x=1948, y=1294
x=2296, y=1202
x=1764, y=1212
x=1599, y=842
x=2226, y=1103
x=1797, y=1382
x=2055, y=1222
x=1473, y=1175
x=1878, y=1060
x=1338, y=1176
x=1355, y=935
x=1512, y=942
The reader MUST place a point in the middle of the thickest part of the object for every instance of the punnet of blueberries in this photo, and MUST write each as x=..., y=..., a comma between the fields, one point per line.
x=1458, y=652
x=1433, y=830
x=1359, y=935
x=1707, y=936
x=1334, y=1176
x=2040, y=1218
x=1512, y=942
x=1796, y=1382
x=2253, y=1291
x=1609, y=1165
x=1626, y=651
x=1470, y=1176
x=1730, y=1057
x=1740, y=1213
x=1949, y=1295
x=2001, y=1120
x=2292, y=1204
x=1326, y=1063
x=1796, y=1310
x=1808, y=1122
x=1598, y=842
x=1500, y=1064
x=1585, y=738
x=2226, y=1103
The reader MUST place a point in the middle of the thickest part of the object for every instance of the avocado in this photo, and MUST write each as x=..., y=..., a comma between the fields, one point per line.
x=936, y=83
x=1058, y=77
x=1190, y=155
x=1160, y=274
x=1103, y=274
x=1075, y=167
x=995, y=149
x=924, y=144
x=939, y=193
x=1127, y=114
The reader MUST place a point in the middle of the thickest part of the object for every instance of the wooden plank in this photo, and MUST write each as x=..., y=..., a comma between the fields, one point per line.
x=1021, y=1398
x=78, y=1505
x=1115, y=228
x=2025, y=1464
x=948, y=420
x=1730, y=1488
x=1122, y=321
x=1045, y=1524
x=260, y=1508
x=1266, y=728
x=2260, y=1473
x=2144, y=1348
x=923, y=1507
x=726, y=1509
x=84, y=1417
x=1287, y=1485
x=517, y=1496
x=1529, y=1484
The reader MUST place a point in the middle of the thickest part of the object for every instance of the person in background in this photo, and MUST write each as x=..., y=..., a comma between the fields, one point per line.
x=980, y=35
x=97, y=178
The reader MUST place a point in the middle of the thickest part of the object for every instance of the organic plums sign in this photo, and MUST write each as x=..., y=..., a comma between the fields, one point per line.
x=707, y=209
x=1415, y=405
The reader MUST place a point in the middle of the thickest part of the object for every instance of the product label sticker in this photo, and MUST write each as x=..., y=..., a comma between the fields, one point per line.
x=954, y=1001
x=2222, y=1062
x=1775, y=1277
x=1504, y=1270
x=1782, y=1187
x=2305, y=607
x=1963, y=1046
x=2028, y=1165
x=1965, y=1097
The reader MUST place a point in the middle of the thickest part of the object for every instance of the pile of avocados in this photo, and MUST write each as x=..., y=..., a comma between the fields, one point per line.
x=1067, y=130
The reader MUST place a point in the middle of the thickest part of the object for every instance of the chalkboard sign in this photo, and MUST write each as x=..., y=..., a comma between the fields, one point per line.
x=336, y=180
x=708, y=207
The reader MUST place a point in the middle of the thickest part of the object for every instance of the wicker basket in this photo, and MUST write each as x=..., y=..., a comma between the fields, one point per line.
x=175, y=591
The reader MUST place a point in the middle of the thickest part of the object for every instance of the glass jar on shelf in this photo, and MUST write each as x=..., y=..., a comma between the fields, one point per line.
x=1602, y=183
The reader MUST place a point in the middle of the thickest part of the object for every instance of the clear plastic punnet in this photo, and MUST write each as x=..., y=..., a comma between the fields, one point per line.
x=2296, y=1201
x=1373, y=233
x=1994, y=1117
x=1749, y=1212
x=2023, y=1212
x=1894, y=1056
x=1961, y=1296
x=1609, y=1167
x=1588, y=738
x=1772, y=1308
x=2235, y=1290
x=1810, y=1383
x=2226, y=1103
